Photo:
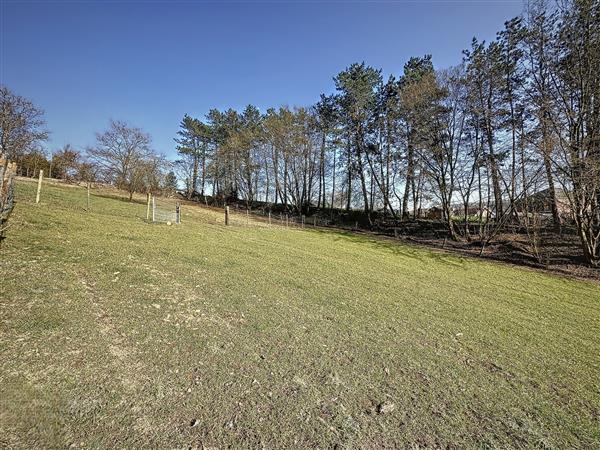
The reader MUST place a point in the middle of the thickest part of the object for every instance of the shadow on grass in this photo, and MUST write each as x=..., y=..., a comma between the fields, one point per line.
x=397, y=248
x=459, y=257
x=120, y=198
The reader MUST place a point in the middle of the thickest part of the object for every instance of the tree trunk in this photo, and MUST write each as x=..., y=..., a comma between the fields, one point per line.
x=551, y=190
x=322, y=174
x=195, y=174
x=349, y=165
x=203, y=171
x=333, y=179
x=409, y=177
x=363, y=184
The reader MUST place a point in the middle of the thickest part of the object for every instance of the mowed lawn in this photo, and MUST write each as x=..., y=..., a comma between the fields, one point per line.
x=116, y=333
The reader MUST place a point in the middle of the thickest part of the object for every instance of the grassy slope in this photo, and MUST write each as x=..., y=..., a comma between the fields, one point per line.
x=116, y=332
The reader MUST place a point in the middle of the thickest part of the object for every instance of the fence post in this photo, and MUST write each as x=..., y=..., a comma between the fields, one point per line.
x=153, y=208
x=226, y=215
x=147, y=206
x=287, y=221
x=356, y=225
x=396, y=233
x=269, y=218
x=88, y=196
x=177, y=213
x=247, y=217
x=39, y=189
x=303, y=218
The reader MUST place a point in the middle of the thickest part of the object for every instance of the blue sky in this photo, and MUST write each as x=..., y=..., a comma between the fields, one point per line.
x=151, y=62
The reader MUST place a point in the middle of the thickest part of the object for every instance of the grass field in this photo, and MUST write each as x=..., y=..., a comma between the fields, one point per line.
x=119, y=333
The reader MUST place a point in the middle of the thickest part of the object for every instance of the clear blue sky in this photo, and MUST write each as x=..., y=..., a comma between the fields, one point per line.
x=151, y=62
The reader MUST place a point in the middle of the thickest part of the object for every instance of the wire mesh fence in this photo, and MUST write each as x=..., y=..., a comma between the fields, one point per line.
x=236, y=216
x=162, y=211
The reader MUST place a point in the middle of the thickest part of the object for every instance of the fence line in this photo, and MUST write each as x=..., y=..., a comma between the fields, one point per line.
x=169, y=211
x=396, y=229
x=244, y=217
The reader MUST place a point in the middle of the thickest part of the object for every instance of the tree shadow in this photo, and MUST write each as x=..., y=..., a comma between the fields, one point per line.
x=399, y=248
x=120, y=198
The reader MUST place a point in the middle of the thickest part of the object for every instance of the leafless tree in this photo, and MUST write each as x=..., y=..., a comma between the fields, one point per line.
x=122, y=153
x=21, y=127
x=576, y=117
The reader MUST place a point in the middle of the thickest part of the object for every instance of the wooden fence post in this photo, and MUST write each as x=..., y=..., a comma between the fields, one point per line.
x=153, y=208
x=303, y=220
x=247, y=217
x=269, y=218
x=396, y=233
x=39, y=189
x=88, y=196
x=147, y=206
x=177, y=213
x=226, y=215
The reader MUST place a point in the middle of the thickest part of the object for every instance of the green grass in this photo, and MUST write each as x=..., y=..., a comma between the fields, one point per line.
x=119, y=333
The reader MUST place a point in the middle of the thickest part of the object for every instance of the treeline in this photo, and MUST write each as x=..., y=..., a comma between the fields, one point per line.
x=122, y=154
x=520, y=115
x=65, y=164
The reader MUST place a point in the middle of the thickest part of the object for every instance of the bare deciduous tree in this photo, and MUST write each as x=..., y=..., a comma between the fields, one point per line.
x=122, y=153
x=21, y=126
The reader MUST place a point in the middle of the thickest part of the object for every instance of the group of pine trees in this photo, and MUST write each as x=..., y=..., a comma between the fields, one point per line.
x=521, y=114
